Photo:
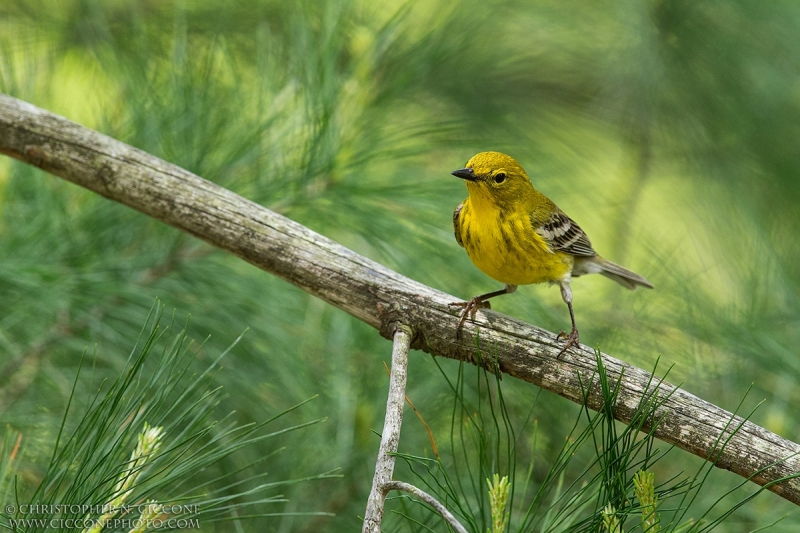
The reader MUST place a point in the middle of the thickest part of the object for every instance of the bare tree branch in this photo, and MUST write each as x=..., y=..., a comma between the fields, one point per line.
x=377, y=295
x=390, y=438
x=427, y=498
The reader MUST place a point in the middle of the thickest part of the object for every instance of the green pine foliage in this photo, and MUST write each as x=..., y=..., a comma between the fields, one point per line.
x=146, y=444
x=665, y=128
x=602, y=478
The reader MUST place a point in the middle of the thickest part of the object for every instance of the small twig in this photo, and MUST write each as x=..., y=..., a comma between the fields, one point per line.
x=390, y=438
x=427, y=498
x=421, y=419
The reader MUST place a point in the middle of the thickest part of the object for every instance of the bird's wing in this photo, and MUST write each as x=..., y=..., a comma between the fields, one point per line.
x=562, y=234
x=457, y=224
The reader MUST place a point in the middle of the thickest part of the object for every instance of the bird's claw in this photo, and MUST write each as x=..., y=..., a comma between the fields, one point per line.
x=470, y=308
x=572, y=340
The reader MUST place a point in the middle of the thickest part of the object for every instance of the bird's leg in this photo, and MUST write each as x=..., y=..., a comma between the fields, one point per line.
x=472, y=306
x=572, y=338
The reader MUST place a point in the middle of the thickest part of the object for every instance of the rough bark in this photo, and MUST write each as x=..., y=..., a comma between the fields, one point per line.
x=377, y=295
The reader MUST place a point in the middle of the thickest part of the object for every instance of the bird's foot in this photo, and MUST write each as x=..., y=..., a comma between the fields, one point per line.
x=572, y=340
x=470, y=308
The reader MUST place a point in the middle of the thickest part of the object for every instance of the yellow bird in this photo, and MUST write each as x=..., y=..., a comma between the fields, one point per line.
x=518, y=236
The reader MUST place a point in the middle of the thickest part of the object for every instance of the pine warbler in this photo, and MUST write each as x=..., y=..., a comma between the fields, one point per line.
x=518, y=236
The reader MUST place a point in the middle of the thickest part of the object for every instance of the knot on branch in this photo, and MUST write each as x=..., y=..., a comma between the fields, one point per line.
x=394, y=317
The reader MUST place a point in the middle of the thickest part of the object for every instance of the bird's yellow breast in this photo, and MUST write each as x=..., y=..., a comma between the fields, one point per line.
x=504, y=245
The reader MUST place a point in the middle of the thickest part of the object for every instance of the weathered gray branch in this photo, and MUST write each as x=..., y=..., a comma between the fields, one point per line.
x=390, y=438
x=375, y=294
x=427, y=498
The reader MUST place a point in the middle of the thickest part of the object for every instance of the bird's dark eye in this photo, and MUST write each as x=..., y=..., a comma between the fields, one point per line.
x=499, y=178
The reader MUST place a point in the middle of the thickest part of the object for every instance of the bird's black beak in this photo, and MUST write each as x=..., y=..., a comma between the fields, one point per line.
x=465, y=174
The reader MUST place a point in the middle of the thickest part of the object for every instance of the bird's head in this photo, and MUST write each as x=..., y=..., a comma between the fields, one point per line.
x=496, y=177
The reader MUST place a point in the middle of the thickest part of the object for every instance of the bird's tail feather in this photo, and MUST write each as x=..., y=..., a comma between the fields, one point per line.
x=623, y=276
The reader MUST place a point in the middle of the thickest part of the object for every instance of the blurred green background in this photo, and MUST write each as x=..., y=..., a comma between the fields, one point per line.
x=667, y=129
